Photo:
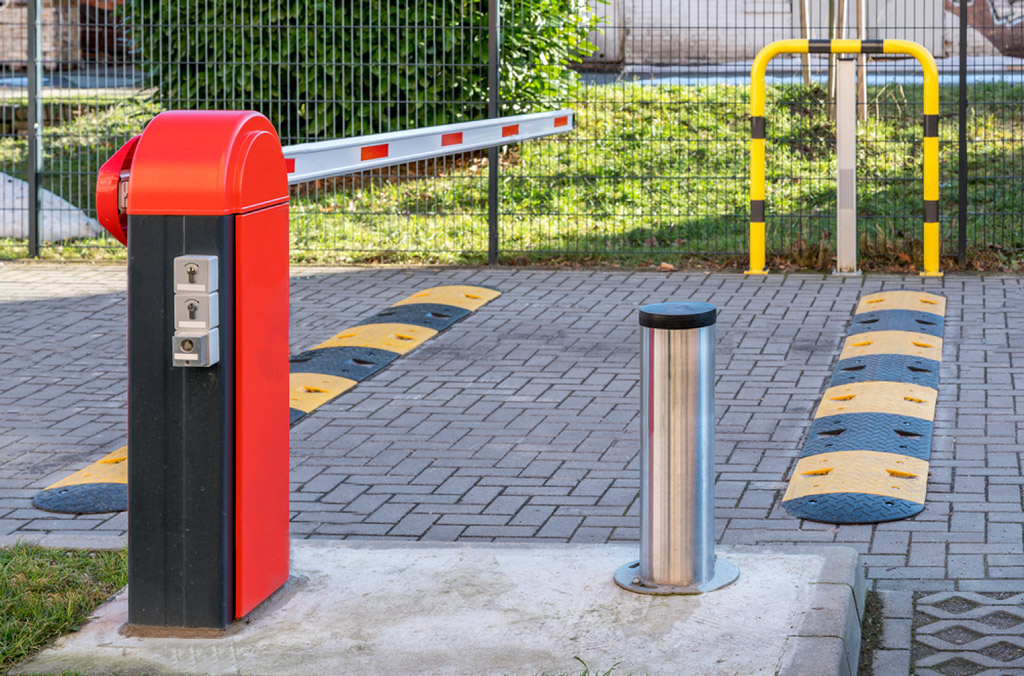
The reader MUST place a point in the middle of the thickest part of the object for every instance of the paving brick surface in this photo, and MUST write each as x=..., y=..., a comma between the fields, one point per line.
x=520, y=422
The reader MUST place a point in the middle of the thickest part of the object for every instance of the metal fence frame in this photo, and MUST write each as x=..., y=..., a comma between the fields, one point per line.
x=35, y=171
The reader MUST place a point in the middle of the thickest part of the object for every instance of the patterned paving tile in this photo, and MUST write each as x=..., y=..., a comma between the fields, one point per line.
x=966, y=634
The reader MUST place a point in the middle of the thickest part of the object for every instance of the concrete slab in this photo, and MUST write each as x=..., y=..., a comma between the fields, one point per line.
x=375, y=608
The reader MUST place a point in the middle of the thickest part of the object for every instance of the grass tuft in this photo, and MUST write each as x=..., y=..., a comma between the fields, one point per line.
x=45, y=593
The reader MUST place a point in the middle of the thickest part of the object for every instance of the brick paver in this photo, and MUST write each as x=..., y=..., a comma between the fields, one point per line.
x=520, y=423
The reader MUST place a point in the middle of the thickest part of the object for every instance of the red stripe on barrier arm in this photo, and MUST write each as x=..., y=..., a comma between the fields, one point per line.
x=452, y=139
x=373, y=152
x=562, y=121
x=509, y=130
x=289, y=165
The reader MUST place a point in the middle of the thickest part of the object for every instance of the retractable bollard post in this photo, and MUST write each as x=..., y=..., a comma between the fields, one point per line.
x=677, y=445
x=201, y=200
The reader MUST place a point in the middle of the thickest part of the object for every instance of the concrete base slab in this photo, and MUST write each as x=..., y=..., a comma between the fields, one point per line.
x=369, y=608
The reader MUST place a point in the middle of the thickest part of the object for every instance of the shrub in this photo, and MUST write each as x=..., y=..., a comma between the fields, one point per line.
x=322, y=69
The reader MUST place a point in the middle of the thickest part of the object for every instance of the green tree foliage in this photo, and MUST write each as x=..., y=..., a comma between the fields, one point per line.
x=320, y=69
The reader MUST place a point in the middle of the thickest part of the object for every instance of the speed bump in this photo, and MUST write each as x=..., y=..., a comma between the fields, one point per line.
x=100, y=487
x=865, y=459
x=359, y=352
x=317, y=376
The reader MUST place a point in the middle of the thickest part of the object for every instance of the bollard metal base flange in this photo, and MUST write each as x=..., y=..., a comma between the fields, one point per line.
x=628, y=577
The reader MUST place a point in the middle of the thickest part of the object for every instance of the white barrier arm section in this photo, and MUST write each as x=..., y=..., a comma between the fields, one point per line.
x=324, y=159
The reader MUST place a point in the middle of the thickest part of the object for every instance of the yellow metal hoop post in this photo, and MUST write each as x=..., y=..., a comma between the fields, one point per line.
x=931, y=136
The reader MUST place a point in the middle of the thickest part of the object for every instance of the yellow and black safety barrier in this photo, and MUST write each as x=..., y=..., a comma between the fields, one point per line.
x=866, y=455
x=931, y=136
x=317, y=376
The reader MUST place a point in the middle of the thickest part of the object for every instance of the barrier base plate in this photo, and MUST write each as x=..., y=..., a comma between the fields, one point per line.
x=628, y=577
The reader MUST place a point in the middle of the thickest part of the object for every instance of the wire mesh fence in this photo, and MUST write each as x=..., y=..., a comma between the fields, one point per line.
x=657, y=168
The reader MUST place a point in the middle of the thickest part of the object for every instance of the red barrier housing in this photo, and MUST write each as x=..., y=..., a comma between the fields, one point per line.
x=205, y=183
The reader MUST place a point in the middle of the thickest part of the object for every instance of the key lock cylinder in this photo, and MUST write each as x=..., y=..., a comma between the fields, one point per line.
x=196, y=339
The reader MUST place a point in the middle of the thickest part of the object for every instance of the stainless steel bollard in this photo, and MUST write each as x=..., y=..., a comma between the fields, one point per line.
x=677, y=449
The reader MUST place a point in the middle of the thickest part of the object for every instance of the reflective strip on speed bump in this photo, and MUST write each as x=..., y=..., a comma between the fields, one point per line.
x=111, y=468
x=467, y=297
x=869, y=472
x=310, y=390
x=918, y=301
x=398, y=338
x=879, y=397
x=892, y=342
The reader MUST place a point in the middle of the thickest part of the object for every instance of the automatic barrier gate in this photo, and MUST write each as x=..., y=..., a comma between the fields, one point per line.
x=201, y=201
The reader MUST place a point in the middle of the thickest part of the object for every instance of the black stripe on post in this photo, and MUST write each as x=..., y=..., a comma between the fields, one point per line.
x=931, y=126
x=757, y=126
x=871, y=47
x=931, y=211
x=819, y=46
x=757, y=211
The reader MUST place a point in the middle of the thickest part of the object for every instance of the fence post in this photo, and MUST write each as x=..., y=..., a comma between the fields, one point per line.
x=493, y=110
x=35, y=124
x=846, y=165
x=961, y=253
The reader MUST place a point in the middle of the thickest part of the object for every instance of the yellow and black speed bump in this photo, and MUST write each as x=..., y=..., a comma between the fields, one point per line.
x=317, y=376
x=866, y=455
x=100, y=487
x=357, y=353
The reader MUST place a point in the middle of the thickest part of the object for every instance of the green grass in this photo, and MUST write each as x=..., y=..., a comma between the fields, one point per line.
x=650, y=174
x=661, y=173
x=45, y=593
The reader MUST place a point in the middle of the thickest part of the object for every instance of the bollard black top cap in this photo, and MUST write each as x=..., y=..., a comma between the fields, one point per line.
x=674, y=316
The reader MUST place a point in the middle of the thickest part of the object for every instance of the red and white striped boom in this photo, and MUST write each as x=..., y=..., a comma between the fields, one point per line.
x=324, y=159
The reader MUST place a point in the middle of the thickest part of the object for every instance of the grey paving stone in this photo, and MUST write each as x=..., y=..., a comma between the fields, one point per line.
x=522, y=420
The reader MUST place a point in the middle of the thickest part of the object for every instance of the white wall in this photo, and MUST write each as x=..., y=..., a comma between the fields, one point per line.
x=668, y=32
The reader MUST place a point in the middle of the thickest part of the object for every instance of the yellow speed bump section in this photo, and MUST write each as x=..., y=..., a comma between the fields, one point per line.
x=398, y=338
x=310, y=390
x=869, y=472
x=918, y=301
x=879, y=397
x=110, y=469
x=467, y=297
x=908, y=343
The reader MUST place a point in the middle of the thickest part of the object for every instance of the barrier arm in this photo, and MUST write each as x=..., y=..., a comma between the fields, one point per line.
x=930, y=145
x=337, y=157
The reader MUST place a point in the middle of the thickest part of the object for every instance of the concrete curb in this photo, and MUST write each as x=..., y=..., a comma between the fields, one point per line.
x=827, y=641
x=62, y=541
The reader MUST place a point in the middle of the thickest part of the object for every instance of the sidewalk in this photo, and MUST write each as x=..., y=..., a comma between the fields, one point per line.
x=519, y=424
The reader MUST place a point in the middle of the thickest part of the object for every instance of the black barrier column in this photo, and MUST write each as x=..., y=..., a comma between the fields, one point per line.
x=180, y=435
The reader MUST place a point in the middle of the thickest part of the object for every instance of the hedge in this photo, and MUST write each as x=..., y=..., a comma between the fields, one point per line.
x=321, y=69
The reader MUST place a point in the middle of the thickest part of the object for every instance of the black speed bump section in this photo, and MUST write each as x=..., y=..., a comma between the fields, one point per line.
x=878, y=367
x=866, y=455
x=317, y=376
x=100, y=487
